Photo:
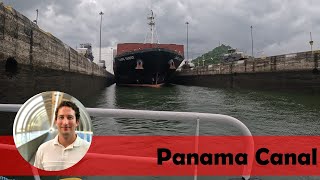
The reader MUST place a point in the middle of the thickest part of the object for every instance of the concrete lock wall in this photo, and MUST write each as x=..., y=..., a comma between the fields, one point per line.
x=302, y=61
x=24, y=41
x=33, y=61
x=295, y=71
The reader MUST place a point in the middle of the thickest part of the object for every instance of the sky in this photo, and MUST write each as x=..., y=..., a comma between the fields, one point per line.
x=278, y=26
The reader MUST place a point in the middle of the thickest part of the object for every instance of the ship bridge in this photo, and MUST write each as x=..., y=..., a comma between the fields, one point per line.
x=34, y=123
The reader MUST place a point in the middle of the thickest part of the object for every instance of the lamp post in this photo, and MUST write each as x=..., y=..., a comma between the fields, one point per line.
x=36, y=21
x=315, y=58
x=111, y=53
x=311, y=42
x=203, y=61
x=101, y=13
x=251, y=43
x=252, y=50
x=186, y=62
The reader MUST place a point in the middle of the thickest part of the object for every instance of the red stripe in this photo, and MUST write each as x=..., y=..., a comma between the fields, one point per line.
x=137, y=156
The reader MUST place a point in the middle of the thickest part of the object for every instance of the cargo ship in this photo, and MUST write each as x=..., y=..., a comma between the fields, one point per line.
x=146, y=64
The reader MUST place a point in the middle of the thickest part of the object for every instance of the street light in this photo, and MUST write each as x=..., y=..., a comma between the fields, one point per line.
x=36, y=21
x=186, y=62
x=252, y=50
x=311, y=42
x=112, y=53
x=203, y=60
x=315, y=70
x=101, y=13
x=251, y=42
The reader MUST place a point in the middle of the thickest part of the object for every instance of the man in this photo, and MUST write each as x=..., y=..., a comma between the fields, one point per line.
x=66, y=149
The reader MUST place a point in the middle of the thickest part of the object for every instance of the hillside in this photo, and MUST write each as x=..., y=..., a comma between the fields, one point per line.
x=213, y=56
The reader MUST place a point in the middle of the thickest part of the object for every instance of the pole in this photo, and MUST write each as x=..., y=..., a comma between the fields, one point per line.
x=187, y=23
x=112, y=53
x=37, y=16
x=252, y=50
x=311, y=42
x=203, y=61
x=251, y=42
x=36, y=20
x=101, y=13
x=315, y=58
x=152, y=27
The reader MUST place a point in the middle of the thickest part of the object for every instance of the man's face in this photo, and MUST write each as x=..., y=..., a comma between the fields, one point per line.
x=66, y=121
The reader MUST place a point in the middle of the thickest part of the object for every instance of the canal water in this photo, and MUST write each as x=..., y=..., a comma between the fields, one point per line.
x=264, y=113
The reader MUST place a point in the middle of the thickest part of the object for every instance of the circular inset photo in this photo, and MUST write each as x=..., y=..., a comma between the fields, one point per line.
x=52, y=131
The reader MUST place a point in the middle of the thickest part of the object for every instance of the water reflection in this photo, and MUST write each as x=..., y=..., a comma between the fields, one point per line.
x=164, y=98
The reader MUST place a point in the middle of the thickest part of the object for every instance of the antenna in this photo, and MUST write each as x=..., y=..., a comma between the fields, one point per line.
x=151, y=36
x=151, y=7
x=151, y=24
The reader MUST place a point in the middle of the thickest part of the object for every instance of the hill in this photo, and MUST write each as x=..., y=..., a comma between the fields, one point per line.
x=212, y=57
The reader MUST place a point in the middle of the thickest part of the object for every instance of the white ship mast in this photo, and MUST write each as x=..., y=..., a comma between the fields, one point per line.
x=152, y=25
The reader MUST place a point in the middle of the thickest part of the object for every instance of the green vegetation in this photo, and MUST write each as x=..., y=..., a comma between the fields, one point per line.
x=212, y=57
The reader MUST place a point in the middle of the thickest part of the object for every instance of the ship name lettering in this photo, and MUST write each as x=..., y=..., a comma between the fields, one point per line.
x=129, y=57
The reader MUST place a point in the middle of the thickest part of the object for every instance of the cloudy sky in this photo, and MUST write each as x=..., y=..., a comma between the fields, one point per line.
x=279, y=26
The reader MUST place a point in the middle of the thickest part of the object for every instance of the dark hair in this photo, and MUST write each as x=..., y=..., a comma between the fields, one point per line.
x=71, y=105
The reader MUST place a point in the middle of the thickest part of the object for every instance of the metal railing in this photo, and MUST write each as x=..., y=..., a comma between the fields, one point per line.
x=161, y=115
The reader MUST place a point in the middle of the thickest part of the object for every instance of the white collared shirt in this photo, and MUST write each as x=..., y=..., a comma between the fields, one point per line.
x=52, y=156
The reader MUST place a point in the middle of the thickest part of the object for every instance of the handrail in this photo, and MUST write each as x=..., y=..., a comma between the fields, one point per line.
x=10, y=107
x=168, y=115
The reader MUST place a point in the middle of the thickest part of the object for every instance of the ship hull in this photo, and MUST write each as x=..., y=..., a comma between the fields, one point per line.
x=150, y=67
